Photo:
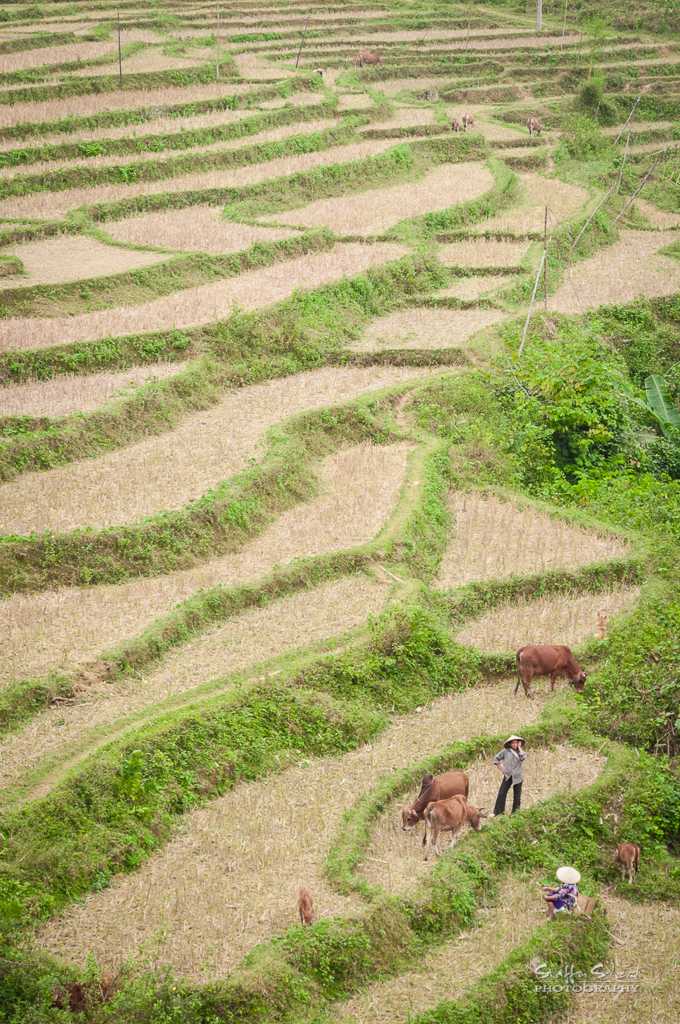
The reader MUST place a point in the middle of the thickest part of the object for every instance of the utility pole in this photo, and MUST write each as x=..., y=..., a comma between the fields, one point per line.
x=120, y=56
x=545, y=260
x=539, y=15
x=302, y=40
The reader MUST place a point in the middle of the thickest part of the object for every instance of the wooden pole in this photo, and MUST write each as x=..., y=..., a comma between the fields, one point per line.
x=531, y=305
x=625, y=124
x=120, y=55
x=302, y=39
x=539, y=15
x=545, y=260
x=564, y=21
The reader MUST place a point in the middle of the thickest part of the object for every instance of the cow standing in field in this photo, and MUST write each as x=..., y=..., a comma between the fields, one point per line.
x=305, y=906
x=449, y=816
x=547, y=660
x=448, y=784
x=627, y=856
x=534, y=125
x=468, y=121
x=456, y=126
x=368, y=57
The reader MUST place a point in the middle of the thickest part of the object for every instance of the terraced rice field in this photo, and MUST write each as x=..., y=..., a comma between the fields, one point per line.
x=266, y=551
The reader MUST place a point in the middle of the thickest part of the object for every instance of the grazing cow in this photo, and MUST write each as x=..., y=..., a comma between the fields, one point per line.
x=602, y=620
x=468, y=121
x=318, y=71
x=368, y=57
x=431, y=788
x=534, y=125
x=627, y=856
x=305, y=906
x=547, y=660
x=456, y=125
x=449, y=816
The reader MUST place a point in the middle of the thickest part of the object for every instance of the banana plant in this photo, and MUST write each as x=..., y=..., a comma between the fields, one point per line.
x=660, y=405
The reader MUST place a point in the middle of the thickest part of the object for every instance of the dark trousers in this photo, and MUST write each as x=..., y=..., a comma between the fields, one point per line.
x=503, y=794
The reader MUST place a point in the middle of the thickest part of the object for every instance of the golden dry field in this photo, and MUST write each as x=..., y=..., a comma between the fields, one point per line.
x=338, y=361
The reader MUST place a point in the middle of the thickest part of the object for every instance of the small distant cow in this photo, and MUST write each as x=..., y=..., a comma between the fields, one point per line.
x=318, y=71
x=534, y=125
x=627, y=856
x=456, y=126
x=449, y=816
x=440, y=788
x=368, y=57
x=468, y=121
x=547, y=660
x=305, y=906
x=602, y=621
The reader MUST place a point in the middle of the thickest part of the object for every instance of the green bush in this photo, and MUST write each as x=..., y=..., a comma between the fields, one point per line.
x=592, y=101
x=583, y=139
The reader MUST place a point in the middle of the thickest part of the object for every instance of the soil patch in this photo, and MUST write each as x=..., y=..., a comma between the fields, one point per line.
x=479, y=252
x=375, y=211
x=470, y=288
x=25, y=59
x=562, y=200
x=426, y=328
x=197, y=229
x=630, y=269
x=494, y=538
x=72, y=258
x=563, y=619
x=66, y=394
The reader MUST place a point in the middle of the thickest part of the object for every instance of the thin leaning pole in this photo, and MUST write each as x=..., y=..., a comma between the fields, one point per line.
x=120, y=55
x=531, y=306
x=302, y=40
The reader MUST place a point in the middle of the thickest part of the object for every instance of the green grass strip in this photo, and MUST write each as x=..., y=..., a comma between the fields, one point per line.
x=157, y=143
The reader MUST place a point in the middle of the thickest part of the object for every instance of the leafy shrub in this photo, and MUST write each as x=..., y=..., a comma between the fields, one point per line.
x=582, y=139
x=592, y=101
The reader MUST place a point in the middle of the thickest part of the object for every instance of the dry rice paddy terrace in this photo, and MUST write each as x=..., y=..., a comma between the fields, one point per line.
x=262, y=554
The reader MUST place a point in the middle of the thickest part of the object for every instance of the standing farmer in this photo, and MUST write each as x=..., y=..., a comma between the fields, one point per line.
x=510, y=763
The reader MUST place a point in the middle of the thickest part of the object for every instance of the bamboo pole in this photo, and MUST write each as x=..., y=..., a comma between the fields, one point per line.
x=531, y=306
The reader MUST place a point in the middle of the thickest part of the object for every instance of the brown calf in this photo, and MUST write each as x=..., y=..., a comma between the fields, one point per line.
x=368, y=57
x=456, y=126
x=305, y=906
x=534, y=125
x=547, y=660
x=468, y=121
x=449, y=816
x=448, y=784
x=627, y=856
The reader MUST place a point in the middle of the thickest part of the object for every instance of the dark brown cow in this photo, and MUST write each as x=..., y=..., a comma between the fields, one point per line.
x=305, y=906
x=456, y=126
x=368, y=57
x=449, y=816
x=547, y=660
x=431, y=788
x=627, y=856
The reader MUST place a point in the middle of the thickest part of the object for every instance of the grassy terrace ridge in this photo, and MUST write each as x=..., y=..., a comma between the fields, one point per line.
x=160, y=141
x=139, y=115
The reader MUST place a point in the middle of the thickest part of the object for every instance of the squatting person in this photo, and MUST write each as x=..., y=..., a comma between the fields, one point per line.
x=510, y=763
x=565, y=895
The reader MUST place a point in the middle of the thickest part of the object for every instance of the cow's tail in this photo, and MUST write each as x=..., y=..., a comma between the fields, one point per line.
x=428, y=830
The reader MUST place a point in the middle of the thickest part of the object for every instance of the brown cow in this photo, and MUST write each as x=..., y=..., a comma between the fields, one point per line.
x=468, y=121
x=368, y=57
x=449, y=816
x=305, y=906
x=456, y=125
x=547, y=660
x=534, y=125
x=627, y=856
x=431, y=788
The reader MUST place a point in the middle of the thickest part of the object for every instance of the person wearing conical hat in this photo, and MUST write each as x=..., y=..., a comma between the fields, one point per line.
x=564, y=895
x=510, y=763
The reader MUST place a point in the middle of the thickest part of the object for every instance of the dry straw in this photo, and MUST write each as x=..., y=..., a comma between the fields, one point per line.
x=629, y=269
x=205, y=303
x=562, y=199
x=479, y=252
x=395, y=859
x=359, y=489
x=563, y=619
x=220, y=888
x=197, y=229
x=66, y=394
x=426, y=328
x=256, y=635
x=72, y=257
x=375, y=211
x=169, y=470
x=470, y=288
x=494, y=538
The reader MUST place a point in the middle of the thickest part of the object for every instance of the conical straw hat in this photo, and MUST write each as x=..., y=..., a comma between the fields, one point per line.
x=569, y=875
